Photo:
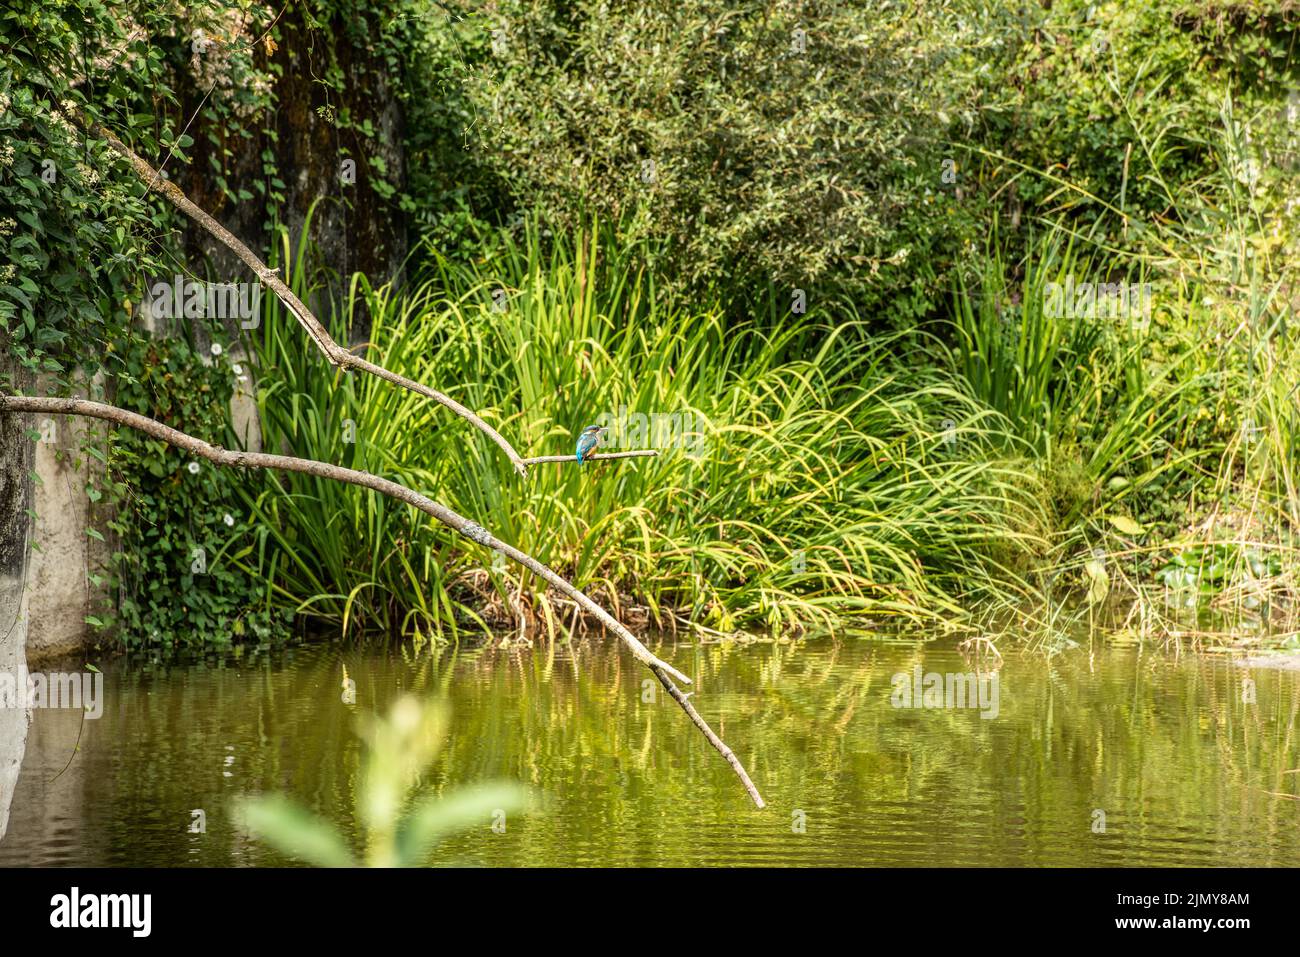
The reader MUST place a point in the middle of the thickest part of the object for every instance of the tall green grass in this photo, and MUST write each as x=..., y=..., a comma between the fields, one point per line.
x=843, y=477
x=831, y=486
x=1084, y=398
x=1167, y=450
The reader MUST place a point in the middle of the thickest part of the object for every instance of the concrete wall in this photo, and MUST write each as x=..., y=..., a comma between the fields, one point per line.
x=13, y=721
x=64, y=555
x=15, y=499
x=45, y=589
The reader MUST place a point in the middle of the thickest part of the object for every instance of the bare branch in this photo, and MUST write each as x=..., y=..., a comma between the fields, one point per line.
x=475, y=533
x=589, y=458
x=719, y=746
x=335, y=353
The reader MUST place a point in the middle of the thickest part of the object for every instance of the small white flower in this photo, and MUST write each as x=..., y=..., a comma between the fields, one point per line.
x=194, y=468
x=238, y=369
x=216, y=348
x=229, y=520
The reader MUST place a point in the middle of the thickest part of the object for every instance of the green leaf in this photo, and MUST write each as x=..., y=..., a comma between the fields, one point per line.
x=1126, y=525
x=438, y=817
x=1098, y=580
x=293, y=830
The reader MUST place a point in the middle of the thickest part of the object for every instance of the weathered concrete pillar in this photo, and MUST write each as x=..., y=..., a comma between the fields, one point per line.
x=15, y=501
x=64, y=554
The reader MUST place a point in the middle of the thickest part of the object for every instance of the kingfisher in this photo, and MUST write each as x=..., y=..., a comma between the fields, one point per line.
x=588, y=440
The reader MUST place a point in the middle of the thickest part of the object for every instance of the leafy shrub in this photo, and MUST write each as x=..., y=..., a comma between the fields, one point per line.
x=1123, y=101
x=764, y=142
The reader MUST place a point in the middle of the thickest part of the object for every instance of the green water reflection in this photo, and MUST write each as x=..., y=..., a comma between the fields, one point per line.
x=1185, y=770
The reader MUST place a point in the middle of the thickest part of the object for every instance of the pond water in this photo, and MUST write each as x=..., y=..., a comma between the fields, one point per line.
x=1186, y=769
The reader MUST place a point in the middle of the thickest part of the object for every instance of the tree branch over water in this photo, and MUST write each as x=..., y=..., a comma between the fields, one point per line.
x=475, y=533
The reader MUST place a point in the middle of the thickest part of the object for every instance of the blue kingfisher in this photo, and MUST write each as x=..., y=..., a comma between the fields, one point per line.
x=588, y=440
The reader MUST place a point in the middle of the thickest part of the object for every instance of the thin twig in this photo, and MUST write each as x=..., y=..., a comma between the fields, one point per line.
x=475, y=533
x=76, y=746
x=335, y=353
x=538, y=460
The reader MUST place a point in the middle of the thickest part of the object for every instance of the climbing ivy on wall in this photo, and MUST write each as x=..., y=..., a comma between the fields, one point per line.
x=80, y=241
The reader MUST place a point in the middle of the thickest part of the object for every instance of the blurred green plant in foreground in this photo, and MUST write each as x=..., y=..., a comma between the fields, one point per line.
x=400, y=829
